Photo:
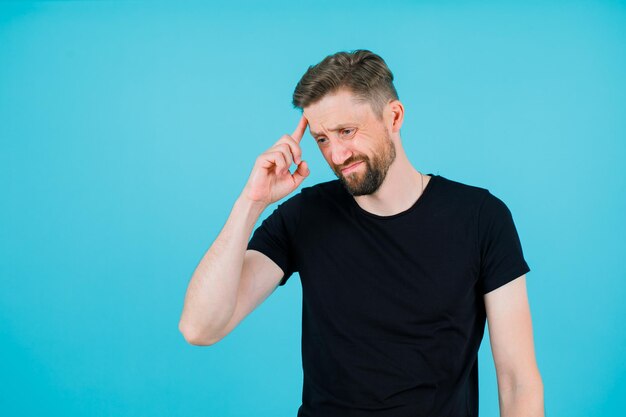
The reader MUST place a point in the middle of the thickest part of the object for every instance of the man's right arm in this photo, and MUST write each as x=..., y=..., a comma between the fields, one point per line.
x=231, y=281
x=212, y=293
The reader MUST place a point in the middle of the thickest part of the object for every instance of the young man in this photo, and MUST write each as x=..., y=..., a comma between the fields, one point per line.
x=399, y=270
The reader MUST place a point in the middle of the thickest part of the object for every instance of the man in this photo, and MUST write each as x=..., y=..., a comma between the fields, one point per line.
x=399, y=270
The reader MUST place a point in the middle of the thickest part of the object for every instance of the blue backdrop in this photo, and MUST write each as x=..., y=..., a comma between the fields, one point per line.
x=128, y=129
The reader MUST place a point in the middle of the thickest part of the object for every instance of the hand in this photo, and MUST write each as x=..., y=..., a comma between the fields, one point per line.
x=270, y=179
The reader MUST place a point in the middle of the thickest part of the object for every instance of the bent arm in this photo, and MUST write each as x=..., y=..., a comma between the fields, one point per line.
x=520, y=387
x=211, y=295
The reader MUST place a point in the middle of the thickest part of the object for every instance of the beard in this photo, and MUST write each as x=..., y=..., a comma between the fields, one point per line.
x=367, y=182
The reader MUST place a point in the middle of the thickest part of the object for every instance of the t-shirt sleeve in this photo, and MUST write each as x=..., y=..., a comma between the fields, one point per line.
x=275, y=237
x=501, y=256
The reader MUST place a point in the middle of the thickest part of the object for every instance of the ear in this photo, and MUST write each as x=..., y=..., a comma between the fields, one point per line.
x=395, y=115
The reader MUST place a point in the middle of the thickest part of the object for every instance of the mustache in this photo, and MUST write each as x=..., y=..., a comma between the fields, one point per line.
x=350, y=162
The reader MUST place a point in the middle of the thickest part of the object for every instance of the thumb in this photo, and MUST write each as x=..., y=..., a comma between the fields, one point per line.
x=301, y=173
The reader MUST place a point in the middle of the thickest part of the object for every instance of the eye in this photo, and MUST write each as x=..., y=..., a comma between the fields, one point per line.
x=347, y=132
x=319, y=140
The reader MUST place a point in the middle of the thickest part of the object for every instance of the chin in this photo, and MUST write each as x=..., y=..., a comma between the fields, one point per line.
x=359, y=188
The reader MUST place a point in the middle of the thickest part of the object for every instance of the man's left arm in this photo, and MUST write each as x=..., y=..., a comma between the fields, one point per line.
x=520, y=387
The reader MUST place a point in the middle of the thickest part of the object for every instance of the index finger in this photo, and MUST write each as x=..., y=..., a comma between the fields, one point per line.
x=299, y=132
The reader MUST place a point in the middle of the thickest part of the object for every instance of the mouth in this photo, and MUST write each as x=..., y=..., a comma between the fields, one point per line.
x=351, y=167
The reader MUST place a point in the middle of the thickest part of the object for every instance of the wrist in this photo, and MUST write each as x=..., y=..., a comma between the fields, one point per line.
x=250, y=206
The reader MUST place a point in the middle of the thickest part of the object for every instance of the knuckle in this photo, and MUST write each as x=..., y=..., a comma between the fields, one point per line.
x=286, y=150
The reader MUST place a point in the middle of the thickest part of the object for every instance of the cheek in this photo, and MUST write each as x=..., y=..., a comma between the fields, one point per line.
x=327, y=158
x=365, y=145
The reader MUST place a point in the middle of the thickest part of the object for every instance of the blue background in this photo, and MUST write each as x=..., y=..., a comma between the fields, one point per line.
x=128, y=129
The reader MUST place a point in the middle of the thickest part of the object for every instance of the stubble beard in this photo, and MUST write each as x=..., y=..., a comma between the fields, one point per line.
x=368, y=182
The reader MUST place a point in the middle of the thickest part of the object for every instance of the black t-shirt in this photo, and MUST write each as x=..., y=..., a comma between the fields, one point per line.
x=392, y=311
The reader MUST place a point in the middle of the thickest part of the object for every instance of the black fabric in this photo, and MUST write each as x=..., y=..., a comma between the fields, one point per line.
x=392, y=311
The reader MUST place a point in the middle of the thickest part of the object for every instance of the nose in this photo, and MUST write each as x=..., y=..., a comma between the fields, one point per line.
x=340, y=153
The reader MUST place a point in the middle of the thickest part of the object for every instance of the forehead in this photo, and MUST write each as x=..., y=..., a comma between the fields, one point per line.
x=336, y=109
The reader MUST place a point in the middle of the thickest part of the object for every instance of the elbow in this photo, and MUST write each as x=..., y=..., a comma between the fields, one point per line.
x=522, y=379
x=528, y=395
x=526, y=388
x=195, y=336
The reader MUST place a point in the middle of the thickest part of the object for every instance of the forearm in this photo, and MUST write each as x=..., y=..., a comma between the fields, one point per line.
x=212, y=291
x=523, y=400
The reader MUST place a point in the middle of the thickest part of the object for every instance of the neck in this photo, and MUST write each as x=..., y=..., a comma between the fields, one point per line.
x=401, y=188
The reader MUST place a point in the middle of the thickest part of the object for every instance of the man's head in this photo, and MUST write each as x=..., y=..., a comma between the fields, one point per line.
x=353, y=111
x=362, y=72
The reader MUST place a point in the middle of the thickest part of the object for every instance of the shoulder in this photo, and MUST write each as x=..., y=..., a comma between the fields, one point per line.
x=333, y=187
x=460, y=190
x=324, y=193
x=478, y=202
x=329, y=190
x=458, y=198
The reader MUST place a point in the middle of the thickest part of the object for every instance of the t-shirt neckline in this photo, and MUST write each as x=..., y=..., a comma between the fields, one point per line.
x=433, y=178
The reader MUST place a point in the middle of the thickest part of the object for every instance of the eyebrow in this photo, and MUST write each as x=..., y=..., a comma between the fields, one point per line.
x=334, y=129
